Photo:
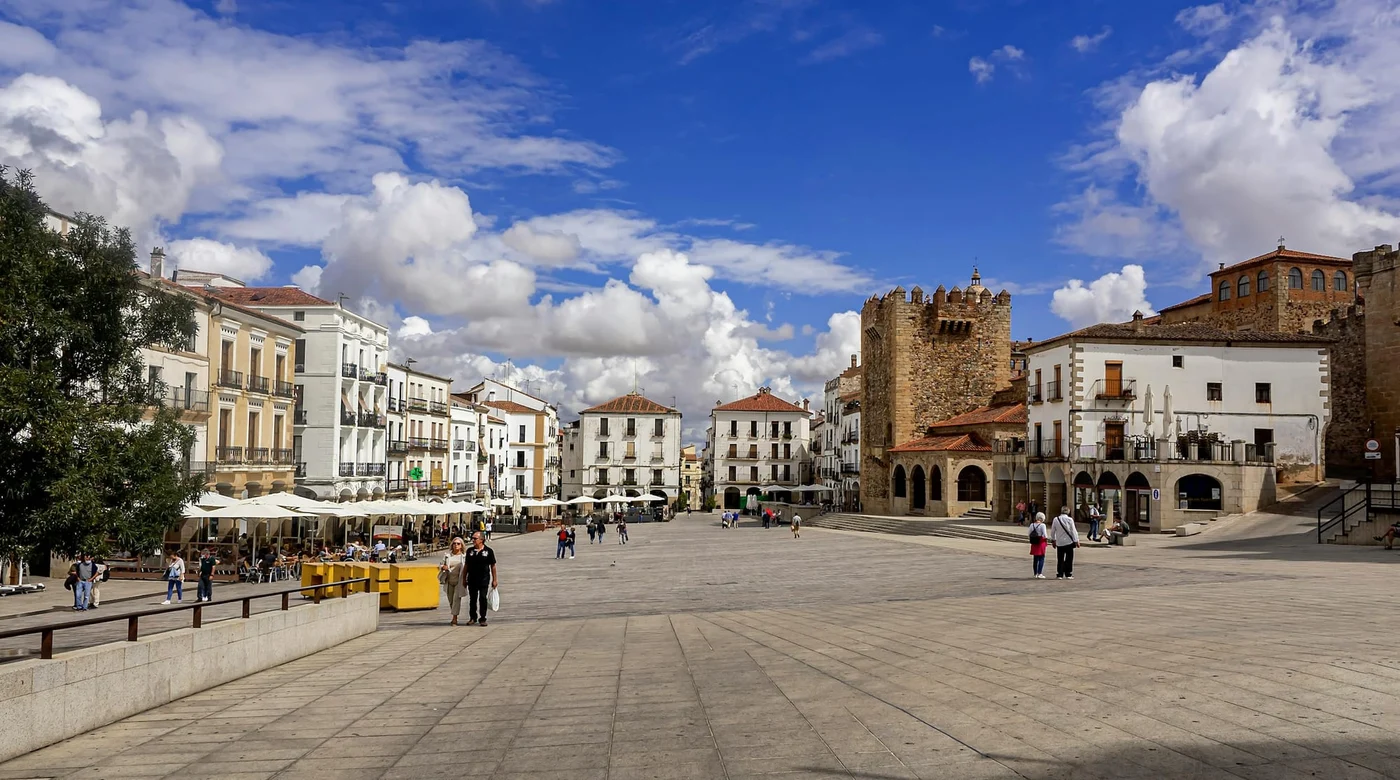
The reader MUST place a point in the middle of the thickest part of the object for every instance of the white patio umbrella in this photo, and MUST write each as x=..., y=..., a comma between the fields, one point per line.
x=582, y=500
x=501, y=502
x=649, y=498
x=466, y=506
x=257, y=512
x=772, y=488
x=614, y=500
x=210, y=499
x=191, y=511
x=1147, y=412
x=1167, y=412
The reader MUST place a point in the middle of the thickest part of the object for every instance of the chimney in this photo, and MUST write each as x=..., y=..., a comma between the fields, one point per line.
x=806, y=406
x=1221, y=268
x=158, y=263
x=853, y=361
x=1137, y=322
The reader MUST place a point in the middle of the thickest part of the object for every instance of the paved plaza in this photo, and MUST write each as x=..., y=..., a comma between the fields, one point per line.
x=697, y=652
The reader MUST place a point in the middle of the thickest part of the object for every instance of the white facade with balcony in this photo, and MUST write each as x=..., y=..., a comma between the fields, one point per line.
x=757, y=442
x=628, y=446
x=466, y=462
x=419, y=417
x=530, y=466
x=1247, y=410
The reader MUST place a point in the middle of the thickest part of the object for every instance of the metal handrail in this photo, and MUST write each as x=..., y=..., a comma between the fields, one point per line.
x=133, y=618
x=1342, y=515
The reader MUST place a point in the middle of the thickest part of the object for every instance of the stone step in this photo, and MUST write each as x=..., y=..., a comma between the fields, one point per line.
x=899, y=527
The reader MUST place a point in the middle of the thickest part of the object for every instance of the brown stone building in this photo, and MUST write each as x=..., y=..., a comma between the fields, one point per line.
x=1283, y=291
x=947, y=472
x=925, y=360
x=1377, y=283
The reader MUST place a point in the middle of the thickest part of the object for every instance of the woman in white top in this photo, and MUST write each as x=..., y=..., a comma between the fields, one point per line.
x=450, y=575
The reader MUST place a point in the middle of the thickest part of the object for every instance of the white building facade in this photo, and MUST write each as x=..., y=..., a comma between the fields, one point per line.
x=341, y=419
x=530, y=467
x=468, y=454
x=630, y=445
x=419, y=426
x=757, y=442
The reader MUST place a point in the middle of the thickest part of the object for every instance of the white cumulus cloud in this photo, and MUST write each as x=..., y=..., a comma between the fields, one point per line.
x=202, y=254
x=1112, y=297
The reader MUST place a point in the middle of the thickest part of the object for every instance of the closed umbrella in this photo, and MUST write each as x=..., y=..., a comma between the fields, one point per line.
x=1167, y=427
x=1147, y=412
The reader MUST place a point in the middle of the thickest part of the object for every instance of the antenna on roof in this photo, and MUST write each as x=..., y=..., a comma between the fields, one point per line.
x=340, y=300
x=634, y=376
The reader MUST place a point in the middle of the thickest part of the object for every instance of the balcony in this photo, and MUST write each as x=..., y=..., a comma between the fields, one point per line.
x=396, y=485
x=1045, y=448
x=398, y=446
x=468, y=445
x=299, y=368
x=367, y=419
x=750, y=455
x=283, y=457
x=197, y=468
x=299, y=417
x=257, y=456
x=551, y=462
x=850, y=468
x=631, y=456
x=602, y=458
x=459, y=445
x=349, y=371
x=347, y=417
x=439, y=445
x=1035, y=394
x=629, y=482
x=259, y=384
x=187, y=400
x=379, y=378
x=347, y=469
x=463, y=487
x=416, y=404
x=852, y=438
x=228, y=455
x=1053, y=390
x=284, y=389
x=1116, y=390
x=301, y=470
x=394, y=405
x=369, y=469
x=437, y=407
x=658, y=458
x=435, y=488
x=787, y=436
x=365, y=374
x=1259, y=453
x=418, y=443
x=231, y=379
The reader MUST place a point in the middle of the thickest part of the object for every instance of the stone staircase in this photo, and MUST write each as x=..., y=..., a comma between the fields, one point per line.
x=982, y=514
x=950, y=529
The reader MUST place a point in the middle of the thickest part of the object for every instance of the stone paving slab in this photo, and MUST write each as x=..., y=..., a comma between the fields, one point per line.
x=828, y=657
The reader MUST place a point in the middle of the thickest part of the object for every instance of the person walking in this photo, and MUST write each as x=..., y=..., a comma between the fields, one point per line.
x=207, y=562
x=1020, y=513
x=174, y=578
x=602, y=528
x=796, y=526
x=97, y=582
x=572, y=539
x=451, y=575
x=479, y=575
x=1039, y=540
x=86, y=572
x=1094, y=517
x=622, y=532
x=488, y=529
x=1065, y=537
x=592, y=531
x=563, y=537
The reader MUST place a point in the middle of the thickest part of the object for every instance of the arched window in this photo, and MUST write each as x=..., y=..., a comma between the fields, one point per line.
x=1242, y=289
x=1295, y=279
x=1200, y=491
x=1263, y=285
x=1339, y=281
x=900, y=489
x=918, y=497
x=972, y=484
x=1319, y=282
x=1225, y=290
x=935, y=485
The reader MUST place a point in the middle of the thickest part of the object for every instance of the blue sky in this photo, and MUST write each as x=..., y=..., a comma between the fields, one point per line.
x=705, y=193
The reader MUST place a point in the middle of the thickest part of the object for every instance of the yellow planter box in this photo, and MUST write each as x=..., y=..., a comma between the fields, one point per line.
x=413, y=586
x=359, y=571
x=312, y=574
x=380, y=581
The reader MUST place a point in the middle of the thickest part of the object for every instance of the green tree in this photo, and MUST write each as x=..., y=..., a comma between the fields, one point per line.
x=89, y=453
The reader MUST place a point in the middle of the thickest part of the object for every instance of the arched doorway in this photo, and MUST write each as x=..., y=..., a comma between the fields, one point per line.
x=935, y=485
x=1084, y=494
x=1199, y=491
x=917, y=495
x=1110, y=496
x=731, y=498
x=1137, y=502
x=751, y=497
x=972, y=485
x=901, y=489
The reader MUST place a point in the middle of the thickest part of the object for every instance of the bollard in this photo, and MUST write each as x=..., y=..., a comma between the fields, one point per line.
x=198, y=616
x=46, y=644
x=131, y=628
x=248, y=606
x=286, y=602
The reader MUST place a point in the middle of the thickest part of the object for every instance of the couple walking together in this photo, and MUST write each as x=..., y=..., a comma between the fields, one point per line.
x=1060, y=533
x=469, y=571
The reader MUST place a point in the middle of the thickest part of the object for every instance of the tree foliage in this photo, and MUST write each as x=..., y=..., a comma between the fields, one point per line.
x=86, y=458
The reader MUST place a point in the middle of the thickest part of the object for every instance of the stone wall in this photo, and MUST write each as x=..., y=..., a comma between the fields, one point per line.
x=1348, y=419
x=43, y=702
x=1376, y=273
x=925, y=360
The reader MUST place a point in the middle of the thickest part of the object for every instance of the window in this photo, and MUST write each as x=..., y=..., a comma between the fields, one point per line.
x=603, y=427
x=572, y=473
x=153, y=380
x=1263, y=437
x=299, y=356
x=1319, y=282
x=775, y=472
x=900, y=490
x=629, y=476
x=787, y=452
x=520, y=483
x=753, y=429
x=1263, y=285
x=775, y=451
x=602, y=449
x=522, y=434
x=1225, y=290
x=1198, y=491
x=1213, y=392
x=631, y=426
x=787, y=430
x=753, y=473
x=733, y=450
x=660, y=428
x=657, y=477
x=972, y=484
x=1055, y=442
x=520, y=459
x=734, y=429
x=1242, y=287
x=775, y=430
x=298, y=316
x=1295, y=279
x=1178, y=361
x=1339, y=281
x=935, y=484
x=1263, y=393
x=603, y=476
x=732, y=474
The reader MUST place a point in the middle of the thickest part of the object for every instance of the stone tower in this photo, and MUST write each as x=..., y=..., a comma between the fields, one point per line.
x=925, y=360
x=1378, y=284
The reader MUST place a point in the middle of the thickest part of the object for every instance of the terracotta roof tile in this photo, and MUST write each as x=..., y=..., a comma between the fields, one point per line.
x=270, y=296
x=491, y=418
x=1008, y=414
x=854, y=395
x=1183, y=331
x=511, y=406
x=632, y=403
x=1283, y=253
x=762, y=401
x=1199, y=299
x=965, y=442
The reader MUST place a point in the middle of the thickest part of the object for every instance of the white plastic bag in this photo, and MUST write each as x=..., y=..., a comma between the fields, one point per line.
x=493, y=600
